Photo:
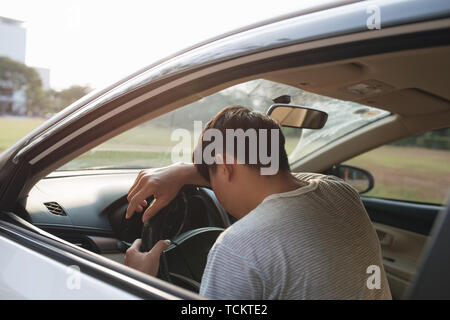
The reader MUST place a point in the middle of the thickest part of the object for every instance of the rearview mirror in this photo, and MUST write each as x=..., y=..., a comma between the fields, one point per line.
x=293, y=116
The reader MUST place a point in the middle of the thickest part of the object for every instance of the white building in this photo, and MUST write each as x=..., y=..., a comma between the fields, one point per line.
x=12, y=39
x=13, y=46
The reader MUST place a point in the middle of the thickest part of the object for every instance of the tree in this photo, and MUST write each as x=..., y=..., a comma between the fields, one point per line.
x=17, y=76
x=58, y=100
x=72, y=94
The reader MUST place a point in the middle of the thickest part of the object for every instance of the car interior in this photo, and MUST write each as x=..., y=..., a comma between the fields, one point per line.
x=87, y=207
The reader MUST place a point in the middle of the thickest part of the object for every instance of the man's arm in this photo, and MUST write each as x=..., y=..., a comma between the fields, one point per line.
x=164, y=184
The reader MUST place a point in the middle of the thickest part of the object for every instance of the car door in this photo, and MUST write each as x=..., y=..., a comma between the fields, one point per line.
x=28, y=274
x=411, y=185
x=37, y=265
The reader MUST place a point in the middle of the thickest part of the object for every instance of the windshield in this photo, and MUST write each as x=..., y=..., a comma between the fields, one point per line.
x=154, y=143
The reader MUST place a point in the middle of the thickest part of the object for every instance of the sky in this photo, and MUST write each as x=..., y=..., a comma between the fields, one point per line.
x=96, y=42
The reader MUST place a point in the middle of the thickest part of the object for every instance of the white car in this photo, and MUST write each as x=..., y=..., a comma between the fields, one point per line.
x=380, y=69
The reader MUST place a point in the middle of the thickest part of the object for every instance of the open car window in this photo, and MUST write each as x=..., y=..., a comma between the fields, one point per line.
x=151, y=143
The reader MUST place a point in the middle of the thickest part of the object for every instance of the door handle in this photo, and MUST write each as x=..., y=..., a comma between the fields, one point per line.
x=385, y=238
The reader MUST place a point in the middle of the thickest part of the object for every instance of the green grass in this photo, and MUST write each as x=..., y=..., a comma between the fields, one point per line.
x=12, y=129
x=398, y=192
x=118, y=159
x=412, y=158
x=290, y=144
x=407, y=173
x=145, y=135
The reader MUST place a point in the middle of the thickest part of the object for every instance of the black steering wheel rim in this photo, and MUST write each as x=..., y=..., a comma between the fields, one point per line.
x=184, y=261
x=155, y=229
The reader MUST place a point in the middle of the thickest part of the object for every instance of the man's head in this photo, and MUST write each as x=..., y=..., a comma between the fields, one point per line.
x=242, y=145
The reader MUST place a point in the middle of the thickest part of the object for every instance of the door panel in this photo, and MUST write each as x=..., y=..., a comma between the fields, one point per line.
x=415, y=217
x=27, y=274
x=403, y=229
x=28, y=247
x=401, y=256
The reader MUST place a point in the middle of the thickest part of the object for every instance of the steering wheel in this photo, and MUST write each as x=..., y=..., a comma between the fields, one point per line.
x=184, y=261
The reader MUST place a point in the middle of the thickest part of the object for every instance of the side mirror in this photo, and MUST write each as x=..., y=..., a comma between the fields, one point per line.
x=360, y=179
x=288, y=115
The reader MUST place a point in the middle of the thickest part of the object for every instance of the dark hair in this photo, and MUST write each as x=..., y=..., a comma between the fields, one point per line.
x=238, y=117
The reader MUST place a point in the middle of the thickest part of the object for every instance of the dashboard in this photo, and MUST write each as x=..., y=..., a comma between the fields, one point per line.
x=87, y=208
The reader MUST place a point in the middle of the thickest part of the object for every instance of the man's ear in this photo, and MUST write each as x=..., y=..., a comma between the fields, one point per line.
x=223, y=168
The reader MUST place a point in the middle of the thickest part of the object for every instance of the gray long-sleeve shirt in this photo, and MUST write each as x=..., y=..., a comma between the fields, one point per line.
x=316, y=242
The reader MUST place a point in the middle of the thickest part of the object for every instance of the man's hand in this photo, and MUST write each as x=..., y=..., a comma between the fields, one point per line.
x=164, y=184
x=147, y=262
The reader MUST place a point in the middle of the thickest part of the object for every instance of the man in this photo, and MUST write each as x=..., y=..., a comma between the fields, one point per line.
x=306, y=236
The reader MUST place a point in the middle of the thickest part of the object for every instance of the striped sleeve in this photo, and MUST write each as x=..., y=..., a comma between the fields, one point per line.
x=230, y=276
